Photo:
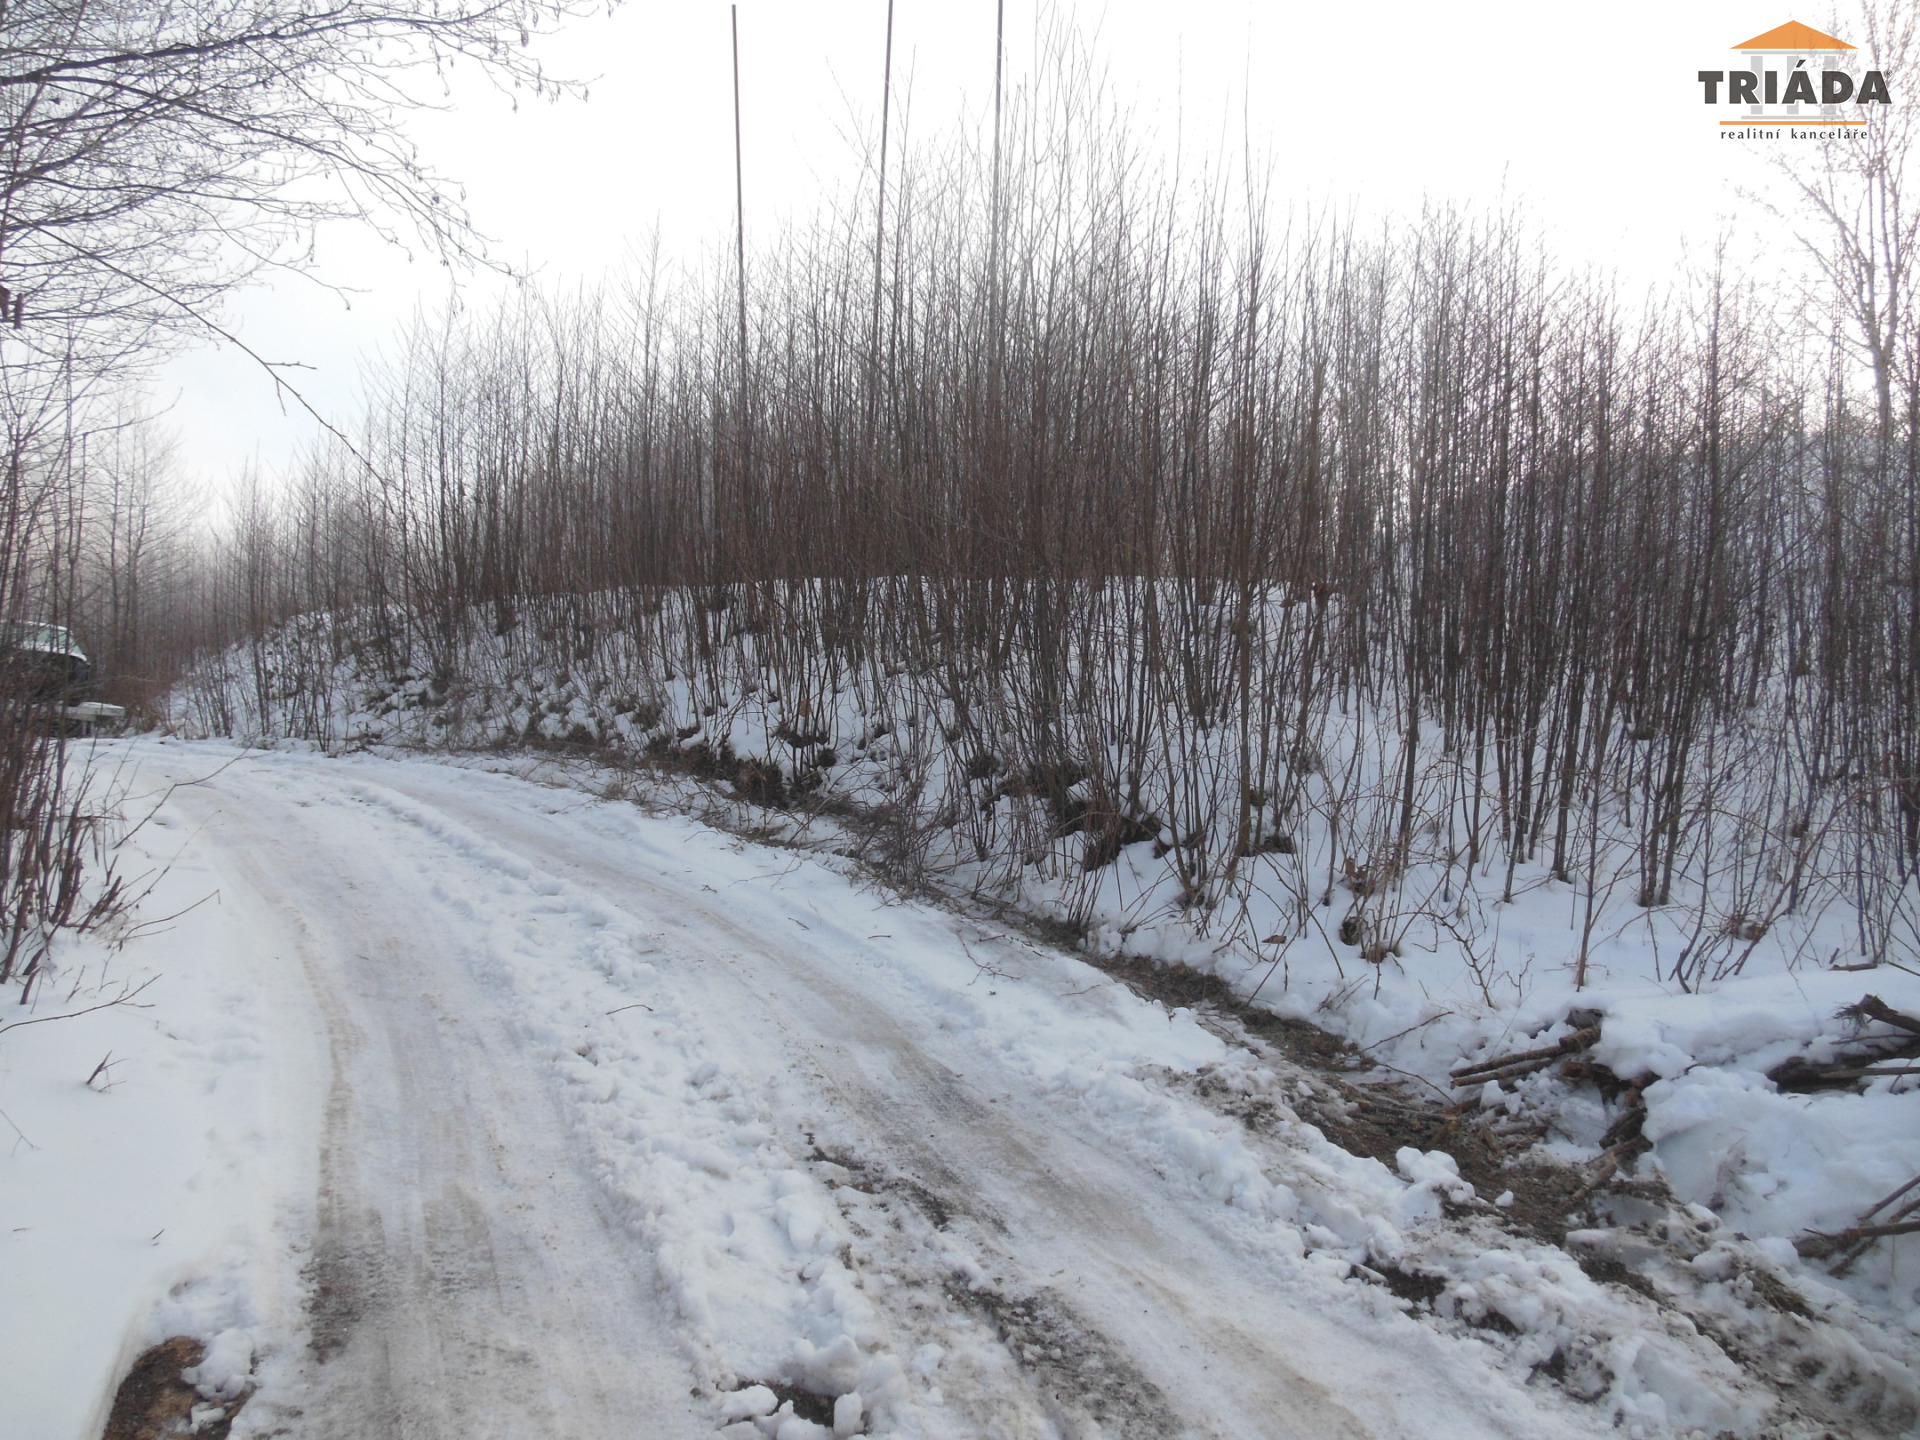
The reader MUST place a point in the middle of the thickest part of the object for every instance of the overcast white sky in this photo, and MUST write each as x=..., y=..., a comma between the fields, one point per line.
x=1591, y=115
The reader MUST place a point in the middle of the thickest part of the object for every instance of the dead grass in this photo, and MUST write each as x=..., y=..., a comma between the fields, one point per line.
x=154, y=1402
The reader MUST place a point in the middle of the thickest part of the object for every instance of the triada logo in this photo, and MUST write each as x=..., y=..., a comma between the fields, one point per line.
x=1794, y=81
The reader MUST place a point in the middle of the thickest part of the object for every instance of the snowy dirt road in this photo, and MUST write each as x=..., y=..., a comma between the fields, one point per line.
x=462, y=1282
x=636, y=1129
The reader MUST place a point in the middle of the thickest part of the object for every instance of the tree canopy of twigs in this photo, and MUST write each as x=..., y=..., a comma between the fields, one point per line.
x=156, y=155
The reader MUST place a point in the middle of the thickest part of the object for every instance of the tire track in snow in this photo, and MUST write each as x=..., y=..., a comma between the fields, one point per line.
x=1082, y=1382
x=464, y=1281
x=1072, y=1206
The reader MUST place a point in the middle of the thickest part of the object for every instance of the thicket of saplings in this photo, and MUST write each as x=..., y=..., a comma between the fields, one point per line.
x=1369, y=571
x=50, y=800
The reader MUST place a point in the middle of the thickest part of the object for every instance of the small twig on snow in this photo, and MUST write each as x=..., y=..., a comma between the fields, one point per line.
x=125, y=999
x=18, y=1131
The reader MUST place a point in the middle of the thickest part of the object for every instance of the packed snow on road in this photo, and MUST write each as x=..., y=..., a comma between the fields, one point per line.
x=473, y=1098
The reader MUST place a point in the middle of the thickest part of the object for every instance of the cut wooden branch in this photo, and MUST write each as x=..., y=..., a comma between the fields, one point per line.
x=1877, y=1232
x=1874, y=1210
x=1800, y=1075
x=126, y=997
x=1874, y=1008
x=1867, y=1060
x=1853, y=1242
x=1526, y=1062
x=1816, y=1244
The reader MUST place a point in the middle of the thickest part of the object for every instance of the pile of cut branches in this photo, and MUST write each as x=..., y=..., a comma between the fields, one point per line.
x=1504, y=1068
x=1848, y=1245
x=1868, y=1058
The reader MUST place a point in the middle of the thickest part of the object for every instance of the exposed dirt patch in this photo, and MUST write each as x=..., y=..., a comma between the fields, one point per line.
x=1171, y=985
x=153, y=1401
x=1363, y=1112
x=1368, y=1116
x=1084, y=1381
x=1419, y=1286
x=806, y=1404
x=1083, y=1376
x=1609, y=1271
x=335, y=1278
x=842, y=1167
x=1364, y=1116
x=332, y=1303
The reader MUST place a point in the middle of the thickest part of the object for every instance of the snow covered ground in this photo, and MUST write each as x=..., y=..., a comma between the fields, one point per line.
x=160, y=1155
x=471, y=1106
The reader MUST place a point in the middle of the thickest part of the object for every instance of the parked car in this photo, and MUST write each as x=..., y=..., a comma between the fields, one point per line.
x=43, y=663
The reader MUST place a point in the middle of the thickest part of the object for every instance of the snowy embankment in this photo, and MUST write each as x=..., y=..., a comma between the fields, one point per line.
x=870, y=1165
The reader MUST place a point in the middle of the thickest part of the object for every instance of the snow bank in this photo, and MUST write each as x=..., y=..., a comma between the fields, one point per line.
x=160, y=1196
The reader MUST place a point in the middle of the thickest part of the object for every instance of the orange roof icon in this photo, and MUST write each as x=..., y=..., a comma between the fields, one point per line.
x=1793, y=36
